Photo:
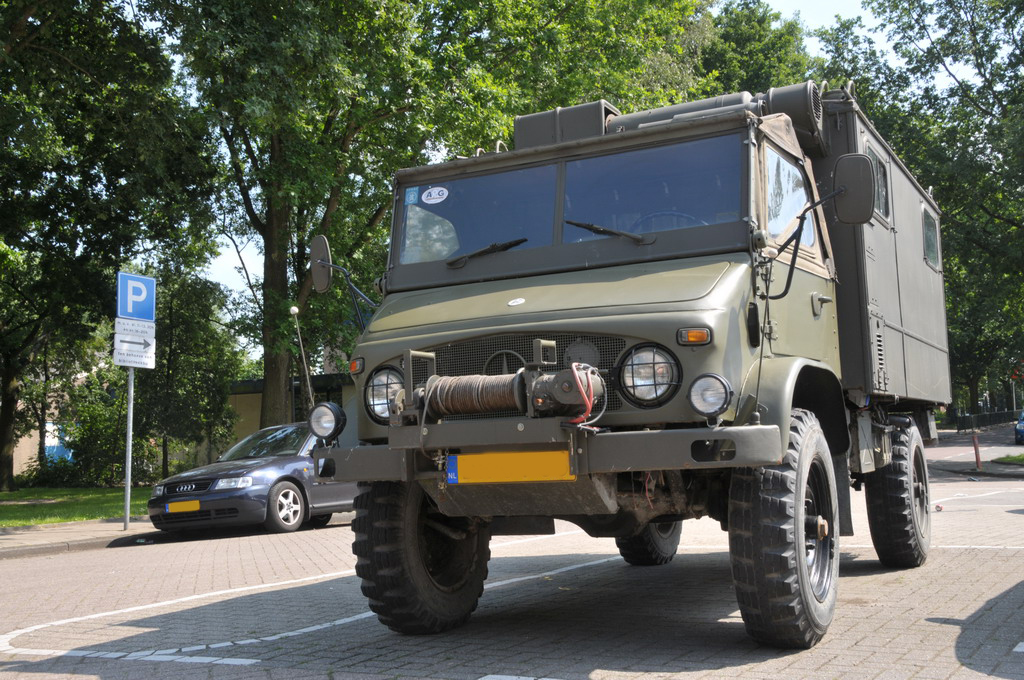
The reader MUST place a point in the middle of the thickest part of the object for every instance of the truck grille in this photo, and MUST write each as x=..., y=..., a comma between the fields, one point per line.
x=505, y=354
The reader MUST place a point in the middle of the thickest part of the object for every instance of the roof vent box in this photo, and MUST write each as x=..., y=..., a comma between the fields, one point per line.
x=563, y=124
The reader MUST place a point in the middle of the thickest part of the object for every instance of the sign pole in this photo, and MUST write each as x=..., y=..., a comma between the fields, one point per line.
x=128, y=450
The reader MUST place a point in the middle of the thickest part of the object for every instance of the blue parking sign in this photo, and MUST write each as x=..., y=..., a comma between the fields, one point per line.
x=136, y=297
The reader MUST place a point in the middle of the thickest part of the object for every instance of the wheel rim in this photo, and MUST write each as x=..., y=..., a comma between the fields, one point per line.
x=448, y=551
x=819, y=527
x=664, y=529
x=919, y=492
x=289, y=506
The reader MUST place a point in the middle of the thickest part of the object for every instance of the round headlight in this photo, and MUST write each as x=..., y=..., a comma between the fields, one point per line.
x=327, y=420
x=381, y=389
x=710, y=395
x=649, y=376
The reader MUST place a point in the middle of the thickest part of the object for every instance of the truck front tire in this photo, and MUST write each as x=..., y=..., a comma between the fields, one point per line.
x=784, y=540
x=898, y=507
x=656, y=544
x=423, y=572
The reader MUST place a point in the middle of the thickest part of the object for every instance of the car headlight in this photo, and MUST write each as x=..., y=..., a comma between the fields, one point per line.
x=381, y=389
x=710, y=395
x=1020, y=426
x=158, y=490
x=233, y=483
x=649, y=376
x=327, y=420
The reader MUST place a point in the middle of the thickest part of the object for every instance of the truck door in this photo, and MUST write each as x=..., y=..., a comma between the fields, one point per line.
x=804, y=322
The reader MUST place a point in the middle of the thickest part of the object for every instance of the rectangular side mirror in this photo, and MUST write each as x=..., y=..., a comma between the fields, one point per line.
x=856, y=177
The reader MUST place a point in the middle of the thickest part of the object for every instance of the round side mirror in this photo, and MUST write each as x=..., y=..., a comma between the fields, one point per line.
x=320, y=263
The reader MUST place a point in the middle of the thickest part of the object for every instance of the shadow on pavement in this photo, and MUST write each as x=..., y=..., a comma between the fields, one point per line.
x=989, y=635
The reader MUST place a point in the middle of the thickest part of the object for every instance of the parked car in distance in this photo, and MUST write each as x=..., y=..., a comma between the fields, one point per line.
x=267, y=478
x=1018, y=430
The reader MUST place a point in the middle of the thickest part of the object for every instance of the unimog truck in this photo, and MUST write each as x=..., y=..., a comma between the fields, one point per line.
x=730, y=308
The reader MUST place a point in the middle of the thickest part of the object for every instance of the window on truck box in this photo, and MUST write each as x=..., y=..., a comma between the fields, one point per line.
x=931, y=238
x=881, y=184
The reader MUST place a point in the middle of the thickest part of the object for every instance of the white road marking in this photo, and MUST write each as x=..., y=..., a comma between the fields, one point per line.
x=174, y=654
x=1019, y=648
x=960, y=496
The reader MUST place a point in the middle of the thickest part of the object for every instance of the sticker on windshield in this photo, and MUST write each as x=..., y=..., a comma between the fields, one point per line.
x=412, y=195
x=434, y=195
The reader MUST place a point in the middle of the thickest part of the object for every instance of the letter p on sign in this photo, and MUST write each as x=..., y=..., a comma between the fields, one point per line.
x=136, y=297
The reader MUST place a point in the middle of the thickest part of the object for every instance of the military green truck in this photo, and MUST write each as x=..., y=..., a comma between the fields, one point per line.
x=730, y=308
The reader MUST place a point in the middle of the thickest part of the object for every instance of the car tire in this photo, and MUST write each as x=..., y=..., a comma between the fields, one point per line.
x=285, y=508
x=783, y=540
x=656, y=544
x=899, y=515
x=319, y=521
x=422, y=572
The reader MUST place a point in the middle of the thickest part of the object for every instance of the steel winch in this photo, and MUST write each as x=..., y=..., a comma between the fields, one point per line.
x=571, y=392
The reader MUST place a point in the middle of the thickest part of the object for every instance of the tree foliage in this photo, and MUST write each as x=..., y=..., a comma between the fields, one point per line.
x=101, y=161
x=754, y=48
x=318, y=103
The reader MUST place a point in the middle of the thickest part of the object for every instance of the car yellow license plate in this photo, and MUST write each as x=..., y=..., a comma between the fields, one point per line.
x=509, y=467
x=183, y=506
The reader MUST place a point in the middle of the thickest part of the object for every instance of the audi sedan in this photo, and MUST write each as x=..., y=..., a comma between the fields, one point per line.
x=268, y=478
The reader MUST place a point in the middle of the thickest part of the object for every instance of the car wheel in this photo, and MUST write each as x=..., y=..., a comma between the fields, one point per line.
x=319, y=521
x=656, y=544
x=285, y=508
x=422, y=572
x=784, y=542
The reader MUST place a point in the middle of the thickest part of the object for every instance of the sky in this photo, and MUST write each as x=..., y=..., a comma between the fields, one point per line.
x=813, y=13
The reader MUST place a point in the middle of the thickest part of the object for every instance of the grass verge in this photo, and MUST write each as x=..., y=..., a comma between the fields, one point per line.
x=1012, y=460
x=49, y=506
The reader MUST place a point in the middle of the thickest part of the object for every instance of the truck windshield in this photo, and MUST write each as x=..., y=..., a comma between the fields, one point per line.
x=676, y=186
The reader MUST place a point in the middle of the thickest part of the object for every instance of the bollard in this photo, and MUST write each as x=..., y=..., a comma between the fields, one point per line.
x=977, y=453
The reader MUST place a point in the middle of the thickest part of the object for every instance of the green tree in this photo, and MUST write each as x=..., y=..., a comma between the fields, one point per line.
x=101, y=161
x=754, y=48
x=184, y=400
x=318, y=103
x=95, y=422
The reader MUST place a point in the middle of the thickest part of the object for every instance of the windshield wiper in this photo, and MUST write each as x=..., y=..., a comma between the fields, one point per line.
x=461, y=260
x=607, y=231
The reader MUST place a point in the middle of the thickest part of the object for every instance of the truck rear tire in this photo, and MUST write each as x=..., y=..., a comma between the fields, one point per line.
x=899, y=513
x=783, y=540
x=423, y=572
x=656, y=544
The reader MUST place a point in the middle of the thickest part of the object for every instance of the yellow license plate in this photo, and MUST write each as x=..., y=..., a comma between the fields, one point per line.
x=183, y=506
x=509, y=467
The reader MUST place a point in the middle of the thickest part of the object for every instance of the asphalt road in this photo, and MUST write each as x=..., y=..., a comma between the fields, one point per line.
x=246, y=604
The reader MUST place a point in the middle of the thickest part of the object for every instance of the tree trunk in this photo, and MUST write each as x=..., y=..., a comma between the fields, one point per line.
x=9, y=388
x=166, y=474
x=972, y=390
x=276, y=384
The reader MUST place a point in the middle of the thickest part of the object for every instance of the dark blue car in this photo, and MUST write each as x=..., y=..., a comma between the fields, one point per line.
x=267, y=478
x=1018, y=430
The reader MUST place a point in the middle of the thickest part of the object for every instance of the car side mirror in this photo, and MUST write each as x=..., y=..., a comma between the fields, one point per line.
x=854, y=176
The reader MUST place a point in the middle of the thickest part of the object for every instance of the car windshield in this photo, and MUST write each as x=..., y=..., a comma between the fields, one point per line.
x=286, y=440
x=686, y=184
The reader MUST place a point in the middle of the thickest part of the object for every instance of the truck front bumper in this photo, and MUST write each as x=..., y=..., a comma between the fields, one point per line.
x=420, y=453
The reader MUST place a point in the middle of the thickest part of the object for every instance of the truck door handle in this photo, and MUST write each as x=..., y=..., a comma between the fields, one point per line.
x=817, y=300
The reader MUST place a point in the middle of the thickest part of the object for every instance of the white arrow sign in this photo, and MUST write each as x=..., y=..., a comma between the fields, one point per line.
x=134, y=350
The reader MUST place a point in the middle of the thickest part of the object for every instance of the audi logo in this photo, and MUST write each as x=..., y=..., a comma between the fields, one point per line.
x=185, y=488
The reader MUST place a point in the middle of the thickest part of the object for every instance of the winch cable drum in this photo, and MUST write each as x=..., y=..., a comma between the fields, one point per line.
x=468, y=394
x=526, y=391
